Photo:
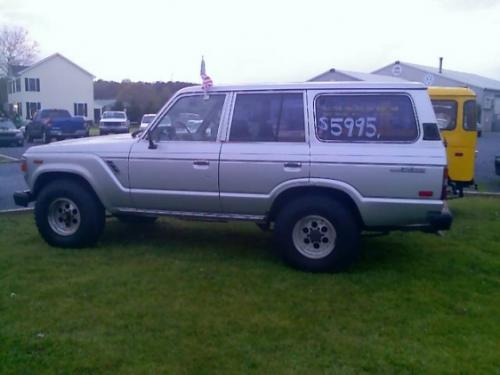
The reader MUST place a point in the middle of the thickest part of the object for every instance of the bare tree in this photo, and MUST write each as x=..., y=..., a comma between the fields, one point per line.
x=16, y=48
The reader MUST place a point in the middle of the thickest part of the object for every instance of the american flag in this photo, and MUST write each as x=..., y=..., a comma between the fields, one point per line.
x=205, y=79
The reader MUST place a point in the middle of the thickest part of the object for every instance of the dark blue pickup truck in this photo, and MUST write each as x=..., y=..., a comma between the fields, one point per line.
x=55, y=123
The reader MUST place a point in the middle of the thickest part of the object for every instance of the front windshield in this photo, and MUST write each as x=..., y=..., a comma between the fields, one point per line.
x=146, y=119
x=55, y=113
x=120, y=115
x=6, y=125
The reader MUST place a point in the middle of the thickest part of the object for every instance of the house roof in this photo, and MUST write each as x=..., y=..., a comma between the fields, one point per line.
x=15, y=69
x=358, y=76
x=466, y=78
x=50, y=58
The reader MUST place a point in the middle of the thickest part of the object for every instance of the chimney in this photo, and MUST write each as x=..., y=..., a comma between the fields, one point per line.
x=440, y=65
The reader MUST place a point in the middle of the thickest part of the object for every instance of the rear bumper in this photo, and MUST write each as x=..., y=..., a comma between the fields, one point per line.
x=23, y=198
x=440, y=220
x=63, y=134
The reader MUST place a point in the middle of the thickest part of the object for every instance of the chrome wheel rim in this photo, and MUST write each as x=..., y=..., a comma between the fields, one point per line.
x=64, y=217
x=314, y=236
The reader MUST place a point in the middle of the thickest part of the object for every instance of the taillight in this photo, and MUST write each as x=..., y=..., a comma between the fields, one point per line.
x=444, y=191
x=24, y=166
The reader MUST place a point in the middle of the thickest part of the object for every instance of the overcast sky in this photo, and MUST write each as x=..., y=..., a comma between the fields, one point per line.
x=260, y=40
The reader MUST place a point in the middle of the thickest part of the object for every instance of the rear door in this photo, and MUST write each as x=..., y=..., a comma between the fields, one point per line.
x=267, y=147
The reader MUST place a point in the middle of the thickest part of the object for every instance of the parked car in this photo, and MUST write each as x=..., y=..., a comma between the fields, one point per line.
x=9, y=134
x=55, y=123
x=113, y=122
x=146, y=120
x=317, y=162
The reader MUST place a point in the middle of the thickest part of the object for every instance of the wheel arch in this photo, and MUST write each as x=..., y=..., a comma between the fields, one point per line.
x=47, y=177
x=300, y=191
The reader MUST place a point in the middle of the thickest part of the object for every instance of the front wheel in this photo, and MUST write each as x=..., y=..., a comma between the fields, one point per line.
x=317, y=234
x=45, y=137
x=68, y=214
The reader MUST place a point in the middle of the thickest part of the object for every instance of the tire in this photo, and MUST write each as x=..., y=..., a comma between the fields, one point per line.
x=136, y=219
x=317, y=234
x=70, y=229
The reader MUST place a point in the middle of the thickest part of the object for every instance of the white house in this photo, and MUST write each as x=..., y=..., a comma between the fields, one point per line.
x=54, y=82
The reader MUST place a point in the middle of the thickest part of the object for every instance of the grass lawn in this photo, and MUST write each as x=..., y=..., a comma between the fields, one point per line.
x=183, y=298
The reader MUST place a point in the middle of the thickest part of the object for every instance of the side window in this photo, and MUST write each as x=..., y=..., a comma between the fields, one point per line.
x=268, y=118
x=470, y=122
x=191, y=118
x=362, y=118
x=446, y=114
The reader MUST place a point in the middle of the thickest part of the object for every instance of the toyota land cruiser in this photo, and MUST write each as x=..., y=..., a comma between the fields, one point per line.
x=316, y=162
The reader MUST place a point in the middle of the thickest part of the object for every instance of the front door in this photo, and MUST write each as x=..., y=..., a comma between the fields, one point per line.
x=181, y=173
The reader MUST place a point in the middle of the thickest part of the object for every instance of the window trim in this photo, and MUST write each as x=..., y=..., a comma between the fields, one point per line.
x=375, y=93
x=463, y=115
x=163, y=112
x=456, y=112
x=268, y=92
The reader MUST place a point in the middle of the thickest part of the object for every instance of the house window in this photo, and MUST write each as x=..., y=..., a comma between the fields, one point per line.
x=18, y=84
x=31, y=84
x=80, y=109
x=31, y=108
x=9, y=86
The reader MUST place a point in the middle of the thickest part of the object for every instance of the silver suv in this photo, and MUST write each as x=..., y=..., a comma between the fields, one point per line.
x=316, y=162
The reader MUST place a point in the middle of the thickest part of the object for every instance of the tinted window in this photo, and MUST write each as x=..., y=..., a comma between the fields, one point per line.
x=268, y=118
x=119, y=115
x=470, y=115
x=446, y=114
x=355, y=118
x=191, y=118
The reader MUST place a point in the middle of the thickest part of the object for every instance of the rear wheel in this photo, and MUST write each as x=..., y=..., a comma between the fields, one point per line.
x=317, y=234
x=69, y=215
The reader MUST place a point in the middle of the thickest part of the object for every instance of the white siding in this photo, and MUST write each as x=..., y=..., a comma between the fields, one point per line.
x=61, y=85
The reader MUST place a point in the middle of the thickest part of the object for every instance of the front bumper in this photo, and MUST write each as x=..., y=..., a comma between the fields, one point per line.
x=23, y=198
x=62, y=134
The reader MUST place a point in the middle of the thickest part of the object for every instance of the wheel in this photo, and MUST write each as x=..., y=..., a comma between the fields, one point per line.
x=68, y=214
x=317, y=234
x=136, y=219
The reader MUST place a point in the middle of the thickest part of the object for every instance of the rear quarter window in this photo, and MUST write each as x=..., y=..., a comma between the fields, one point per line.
x=365, y=118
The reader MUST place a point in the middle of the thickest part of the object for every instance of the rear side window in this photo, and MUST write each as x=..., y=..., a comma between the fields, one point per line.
x=268, y=118
x=365, y=118
x=446, y=114
x=470, y=122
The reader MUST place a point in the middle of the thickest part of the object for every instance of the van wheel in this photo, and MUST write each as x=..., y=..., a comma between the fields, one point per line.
x=317, y=235
x=68, y=215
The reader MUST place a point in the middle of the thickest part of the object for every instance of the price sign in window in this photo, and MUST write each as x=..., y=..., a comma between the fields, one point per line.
x=365, y=118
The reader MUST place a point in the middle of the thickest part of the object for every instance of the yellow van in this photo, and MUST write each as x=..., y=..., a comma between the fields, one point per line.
x=455, y=109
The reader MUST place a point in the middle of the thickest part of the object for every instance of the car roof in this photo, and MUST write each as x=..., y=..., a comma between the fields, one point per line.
x=450, y=91
x=335, y=85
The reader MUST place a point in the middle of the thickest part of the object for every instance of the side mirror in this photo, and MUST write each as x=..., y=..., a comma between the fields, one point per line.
x=152, y=145
x=136, y=132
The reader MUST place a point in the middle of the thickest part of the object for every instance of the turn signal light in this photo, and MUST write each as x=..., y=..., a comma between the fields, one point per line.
x=24, y=166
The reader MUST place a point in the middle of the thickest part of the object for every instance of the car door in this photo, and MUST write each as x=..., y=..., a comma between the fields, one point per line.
x=266, y=149
x=180, y=172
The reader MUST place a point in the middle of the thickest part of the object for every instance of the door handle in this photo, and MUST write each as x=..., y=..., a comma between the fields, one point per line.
x=201, y=163
x=293, y=164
